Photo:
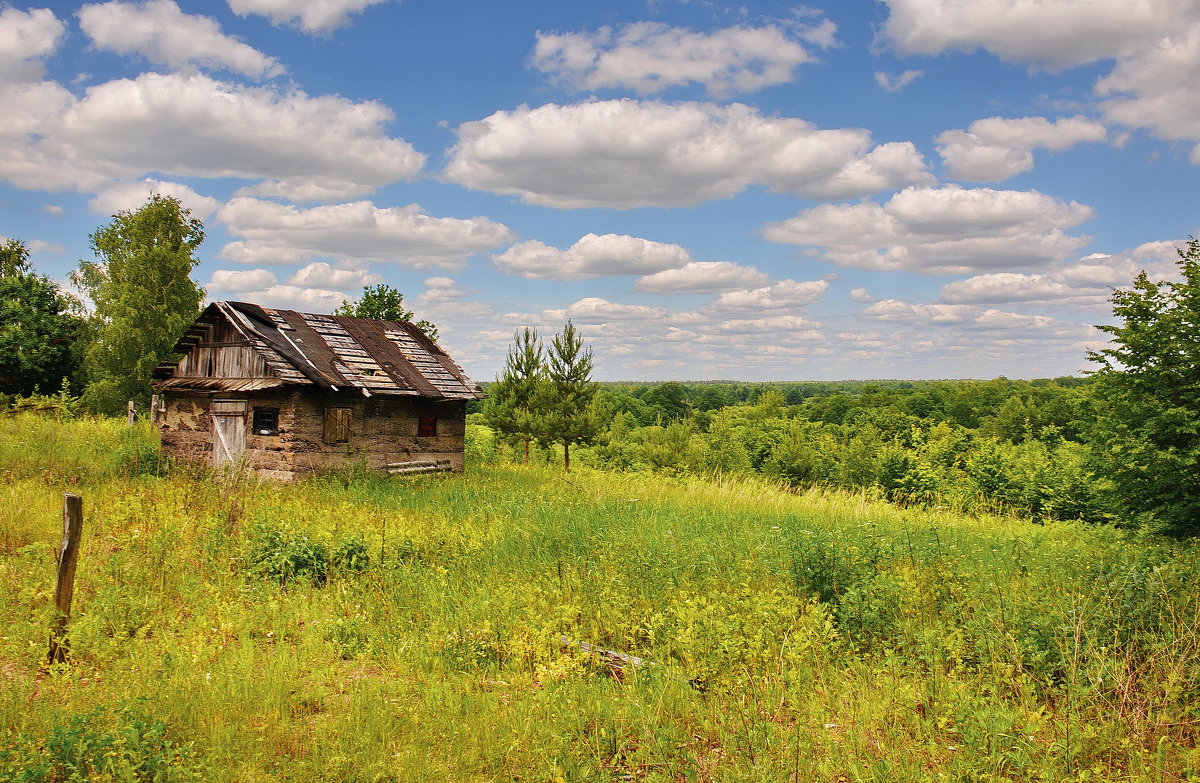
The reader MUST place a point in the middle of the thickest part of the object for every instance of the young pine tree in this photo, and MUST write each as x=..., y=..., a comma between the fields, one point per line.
x=566, y=402
x=508, y=407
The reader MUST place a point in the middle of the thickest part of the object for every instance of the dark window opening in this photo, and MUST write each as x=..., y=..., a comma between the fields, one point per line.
x=427, y=427
x=337, y=425
x=266, y=421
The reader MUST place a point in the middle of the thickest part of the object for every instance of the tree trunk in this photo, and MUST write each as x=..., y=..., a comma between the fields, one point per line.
x=566, y=456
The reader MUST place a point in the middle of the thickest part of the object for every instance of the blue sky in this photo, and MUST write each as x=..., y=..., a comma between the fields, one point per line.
x=901, y=189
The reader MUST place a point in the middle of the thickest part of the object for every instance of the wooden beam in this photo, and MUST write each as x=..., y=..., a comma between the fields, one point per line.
x=64, y=588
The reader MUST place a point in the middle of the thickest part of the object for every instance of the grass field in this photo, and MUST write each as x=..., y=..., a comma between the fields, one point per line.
x=353, y=628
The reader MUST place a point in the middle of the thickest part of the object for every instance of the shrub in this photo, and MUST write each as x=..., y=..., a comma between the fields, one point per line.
x=283, y=555
x=117, y=744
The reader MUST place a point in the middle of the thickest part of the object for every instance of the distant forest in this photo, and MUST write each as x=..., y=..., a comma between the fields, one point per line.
x=1006, y=446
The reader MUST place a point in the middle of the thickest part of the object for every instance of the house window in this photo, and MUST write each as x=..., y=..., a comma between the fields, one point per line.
x=266, y=421
x=427, y=427
x=337, y=425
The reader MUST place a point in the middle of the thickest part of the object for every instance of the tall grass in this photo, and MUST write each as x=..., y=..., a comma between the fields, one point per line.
x=817, y=636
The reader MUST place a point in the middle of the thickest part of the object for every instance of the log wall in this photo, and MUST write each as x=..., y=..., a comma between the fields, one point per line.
x=382, y=430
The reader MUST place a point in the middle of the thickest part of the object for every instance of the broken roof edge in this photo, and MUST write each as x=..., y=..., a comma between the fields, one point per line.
x=269, y=328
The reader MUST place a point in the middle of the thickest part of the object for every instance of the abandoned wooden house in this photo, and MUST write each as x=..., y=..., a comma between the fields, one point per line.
x=286, y=393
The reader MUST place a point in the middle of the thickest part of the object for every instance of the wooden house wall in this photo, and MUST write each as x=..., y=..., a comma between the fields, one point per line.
x=381, y=431
x=224, y=353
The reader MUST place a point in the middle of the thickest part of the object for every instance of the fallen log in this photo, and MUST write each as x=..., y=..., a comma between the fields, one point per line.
x=419, y=466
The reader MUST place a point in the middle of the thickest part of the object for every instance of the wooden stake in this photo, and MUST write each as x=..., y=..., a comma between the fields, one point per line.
x=132, y=413
x=154, y=409
x=64, y=588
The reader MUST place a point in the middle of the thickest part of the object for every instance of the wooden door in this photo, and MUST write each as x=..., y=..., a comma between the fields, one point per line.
x=229, y=430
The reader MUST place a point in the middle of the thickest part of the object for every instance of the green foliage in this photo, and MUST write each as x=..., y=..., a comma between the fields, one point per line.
x=384, y=303
x=667, y=402
x=725, y=451
x=38, y=327
x=508, y=409
x=285, y=555
x=899, y=440
x=670, y=449
x=480, y=445
x=143, y=299
x=802, y=457
x=137, y=454
x=1147, y=435
x=14, y=259
x=122, y=744
x=566, y=403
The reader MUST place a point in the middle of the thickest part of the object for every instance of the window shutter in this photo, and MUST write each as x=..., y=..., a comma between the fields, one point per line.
x=337, y=425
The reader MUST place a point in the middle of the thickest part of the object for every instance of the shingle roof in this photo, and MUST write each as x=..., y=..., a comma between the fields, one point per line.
x=334, y=352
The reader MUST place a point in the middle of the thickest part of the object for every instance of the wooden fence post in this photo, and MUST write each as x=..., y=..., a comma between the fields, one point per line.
x=154, y=409
x=132, y=413
x=64, y=588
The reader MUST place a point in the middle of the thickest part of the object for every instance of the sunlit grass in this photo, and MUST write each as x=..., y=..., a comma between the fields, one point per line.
x=815, y=636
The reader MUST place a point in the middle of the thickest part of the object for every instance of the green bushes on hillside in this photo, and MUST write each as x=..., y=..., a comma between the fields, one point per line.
x=1000, y=446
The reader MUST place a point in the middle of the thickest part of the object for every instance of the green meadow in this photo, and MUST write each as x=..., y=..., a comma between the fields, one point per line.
x=356, y=628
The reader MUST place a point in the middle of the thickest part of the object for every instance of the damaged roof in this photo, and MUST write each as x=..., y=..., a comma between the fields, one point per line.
x=333, y=352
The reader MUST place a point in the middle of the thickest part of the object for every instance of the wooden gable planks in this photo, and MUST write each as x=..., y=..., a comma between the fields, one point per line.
x=377, y=357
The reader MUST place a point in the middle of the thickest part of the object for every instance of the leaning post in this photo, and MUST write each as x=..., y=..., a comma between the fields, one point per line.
x=64, y=588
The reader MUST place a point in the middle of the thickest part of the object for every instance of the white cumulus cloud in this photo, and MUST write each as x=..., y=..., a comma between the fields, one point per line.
x=592, y=256
x=594, y=310
x=1054, y=33
x=897, y=82
x=274, y=233
x=25, y=38
x=1155, y=45
x=132, y=195
x=160, y=32
x=193, y=125
x=946, y=230
x=627, y=153
x=995, y=324
x=292, y=297
x=239, y=280
x=784, y=295
x=995, y=148
x=1155, y=87
x=311, y=16
x=1086, y=283
x=322, y=275
x=649, y=57
x=696, y=277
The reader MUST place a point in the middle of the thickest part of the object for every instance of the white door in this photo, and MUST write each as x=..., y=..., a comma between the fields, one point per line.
x=229, y=438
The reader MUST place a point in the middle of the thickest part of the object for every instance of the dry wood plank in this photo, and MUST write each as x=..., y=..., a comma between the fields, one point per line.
x=617, y=662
